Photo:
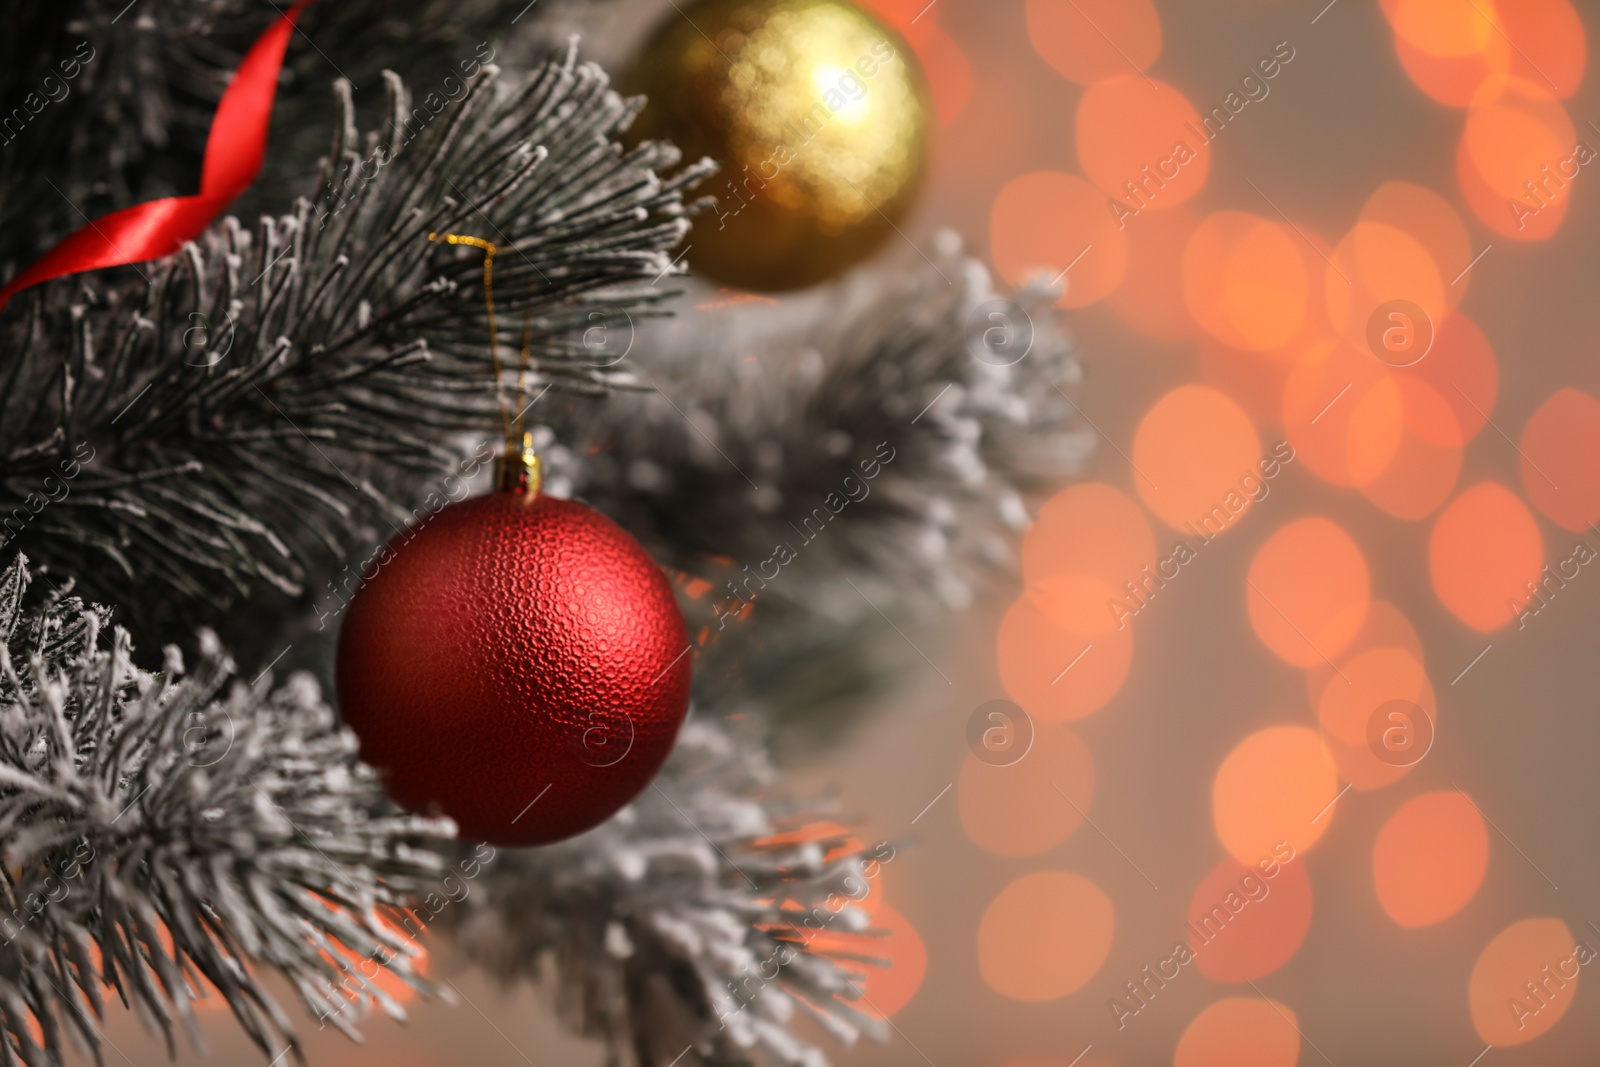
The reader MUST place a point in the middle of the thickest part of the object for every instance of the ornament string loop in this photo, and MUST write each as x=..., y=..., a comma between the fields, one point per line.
x=518, y=468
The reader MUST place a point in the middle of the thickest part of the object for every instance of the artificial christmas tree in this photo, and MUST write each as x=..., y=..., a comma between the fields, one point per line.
x=211, y=448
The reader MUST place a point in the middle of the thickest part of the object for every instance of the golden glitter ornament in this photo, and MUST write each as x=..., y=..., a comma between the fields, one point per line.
x=819, y=116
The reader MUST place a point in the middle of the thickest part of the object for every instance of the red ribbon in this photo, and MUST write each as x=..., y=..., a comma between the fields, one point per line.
x=235, y=148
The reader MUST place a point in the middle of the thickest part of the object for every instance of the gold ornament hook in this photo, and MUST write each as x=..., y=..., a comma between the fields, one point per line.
x=488, y=303
x=517, y=469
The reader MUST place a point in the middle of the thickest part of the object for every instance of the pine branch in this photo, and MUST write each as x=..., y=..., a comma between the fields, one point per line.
x=267, y=399
x=863, y=435
x=176, y=832
x=685, y=929
x=122, y=96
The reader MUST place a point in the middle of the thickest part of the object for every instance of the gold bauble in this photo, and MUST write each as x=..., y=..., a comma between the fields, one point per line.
x=818, y=114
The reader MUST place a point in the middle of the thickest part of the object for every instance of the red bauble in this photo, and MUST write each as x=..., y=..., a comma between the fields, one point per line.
x=518, y=663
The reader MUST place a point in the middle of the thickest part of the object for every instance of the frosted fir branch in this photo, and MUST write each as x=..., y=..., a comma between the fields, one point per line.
x=130, y=123
x=173, y=834
x=684, y=930
x=264, y=400
x=861, y=435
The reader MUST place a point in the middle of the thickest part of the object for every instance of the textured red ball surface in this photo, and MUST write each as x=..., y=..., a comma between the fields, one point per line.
x=517, y=664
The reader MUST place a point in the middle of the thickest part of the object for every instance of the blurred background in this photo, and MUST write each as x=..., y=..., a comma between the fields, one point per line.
x=1347, y=455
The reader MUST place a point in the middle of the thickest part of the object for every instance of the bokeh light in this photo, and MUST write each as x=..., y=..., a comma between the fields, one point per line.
x=1127, y=124
x=1374, y=265
x=1195, y=458
x=1404, y=446
x=1244, y=280
x=1511, y=150
x=1442, y=27
x=1453, y=80
x=1044, y=936
x=1449, y=48
x=1056, y=675
x=1430, y=858
x=1240, y=1032
x=1243, y=924
x=1540, y=951
x=1032, y=805
x=1386, y=626
x=1081, y=604
x=1307, y=591
x=1087, y=40
x=1362, y=688
x=1462, y=370
x=1429, y=218
x=1550, y=46
x=1319, y=403
x=1088, y=540
x=1377, y=427
x=1560, y=444
x=1056, y=226
x=1485, y=556
x=1274, y=788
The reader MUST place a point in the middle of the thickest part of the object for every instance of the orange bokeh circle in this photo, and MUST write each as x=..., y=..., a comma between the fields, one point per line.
x=1243, y=924
x=1541, y=41
x=1055, y=226
x=1195, y=456
x=1319, y=401
x=1138, y=141
x=1273, y=789
x=1453, y=80
x=1429, y=218
x=1240, y=1032
x=1245, y=280
x=1307, y=590
x=1386, y=626
x=1430, y=858
x=1373, y=266
x=1404, y=446
x=1056, y=675
x=1461, y=369
x=1365, y=685
x=1081, y=604
x=1559, y=446
x=1485, y=556
x=1541, y=951
x=1044, y=936
x=1442, y=27
x=1551, y=47
x=1088, y=540
x=1511, y=155
x=1087, y=40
